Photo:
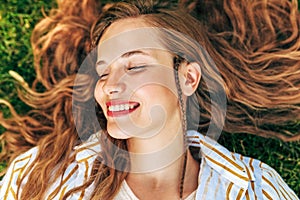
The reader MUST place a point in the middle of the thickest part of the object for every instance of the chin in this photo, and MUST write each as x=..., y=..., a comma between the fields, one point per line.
x=118, y=134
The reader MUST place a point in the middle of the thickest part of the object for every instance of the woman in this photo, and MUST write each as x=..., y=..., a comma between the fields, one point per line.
x=153, y=75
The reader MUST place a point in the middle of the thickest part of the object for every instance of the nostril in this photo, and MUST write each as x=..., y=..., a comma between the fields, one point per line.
x=113, y=92
x=113, y=89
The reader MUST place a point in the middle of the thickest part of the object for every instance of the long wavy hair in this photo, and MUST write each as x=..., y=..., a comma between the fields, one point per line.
x=255, y=45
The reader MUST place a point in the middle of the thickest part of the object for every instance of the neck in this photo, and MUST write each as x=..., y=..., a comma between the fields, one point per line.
x=159, y=151
x=166, y=179
x=157, y=163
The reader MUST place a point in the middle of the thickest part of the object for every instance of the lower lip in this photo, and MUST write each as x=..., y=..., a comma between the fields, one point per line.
x=120, y=113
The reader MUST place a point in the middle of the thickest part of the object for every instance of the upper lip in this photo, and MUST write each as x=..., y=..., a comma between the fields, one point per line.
x=120, y=102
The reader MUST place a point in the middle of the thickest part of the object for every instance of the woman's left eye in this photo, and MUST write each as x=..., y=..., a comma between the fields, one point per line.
x=136, y=68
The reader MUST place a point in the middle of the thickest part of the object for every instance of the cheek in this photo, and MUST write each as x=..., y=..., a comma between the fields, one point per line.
x=157, y=76
x=98, y=93
x=157, y=95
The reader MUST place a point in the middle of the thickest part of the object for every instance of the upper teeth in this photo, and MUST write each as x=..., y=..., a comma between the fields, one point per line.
x=121, y=107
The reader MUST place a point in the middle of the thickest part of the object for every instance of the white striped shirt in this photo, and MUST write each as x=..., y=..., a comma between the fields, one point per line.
x=223, y=174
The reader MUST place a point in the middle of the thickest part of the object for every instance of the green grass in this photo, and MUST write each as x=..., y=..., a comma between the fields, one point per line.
x=17, y=19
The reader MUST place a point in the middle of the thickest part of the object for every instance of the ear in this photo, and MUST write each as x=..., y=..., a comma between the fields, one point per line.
x=191, y=78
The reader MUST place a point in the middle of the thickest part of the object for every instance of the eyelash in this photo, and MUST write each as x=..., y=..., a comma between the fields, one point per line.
x=136, y=67
x=139, y=67
x=101, y=76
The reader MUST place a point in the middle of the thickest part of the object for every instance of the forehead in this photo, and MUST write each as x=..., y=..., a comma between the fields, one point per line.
x=125, y=36
x=122, y=25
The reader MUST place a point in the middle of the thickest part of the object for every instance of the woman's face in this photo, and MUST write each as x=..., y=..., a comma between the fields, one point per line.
x=136, y=88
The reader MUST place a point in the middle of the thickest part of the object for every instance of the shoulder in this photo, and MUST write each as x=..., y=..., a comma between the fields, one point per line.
x=234, y=175
x=25, y=158
x=76, y=173
x=21, y=162
x=88, y=150
x=15, y=171
x=266, y=182
x=274, y=185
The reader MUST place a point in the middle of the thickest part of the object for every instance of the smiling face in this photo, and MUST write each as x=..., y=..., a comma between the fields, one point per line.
x=136, y=88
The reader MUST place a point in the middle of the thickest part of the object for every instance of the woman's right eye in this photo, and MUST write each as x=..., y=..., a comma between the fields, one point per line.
x=102, y=76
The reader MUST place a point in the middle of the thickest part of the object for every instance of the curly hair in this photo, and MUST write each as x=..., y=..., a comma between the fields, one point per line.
x=60, y=42
x=255, y=45
x=257, y=51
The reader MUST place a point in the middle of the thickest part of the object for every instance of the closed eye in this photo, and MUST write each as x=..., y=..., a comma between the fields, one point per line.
x=102, y=76
x=136, y=68
x=133, y=69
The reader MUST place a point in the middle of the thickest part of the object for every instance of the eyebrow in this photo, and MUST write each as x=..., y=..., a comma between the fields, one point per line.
x=126, y=55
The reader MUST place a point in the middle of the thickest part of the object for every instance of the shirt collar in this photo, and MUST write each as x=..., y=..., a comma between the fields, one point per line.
x=217, y=157
x=221, y=159
x=89, y=149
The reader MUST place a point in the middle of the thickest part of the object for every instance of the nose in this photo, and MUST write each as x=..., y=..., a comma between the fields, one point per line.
x=114, y=84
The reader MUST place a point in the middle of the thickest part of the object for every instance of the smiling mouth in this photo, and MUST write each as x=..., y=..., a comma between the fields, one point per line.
x=115, y=110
